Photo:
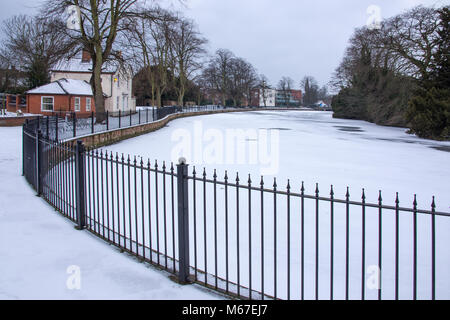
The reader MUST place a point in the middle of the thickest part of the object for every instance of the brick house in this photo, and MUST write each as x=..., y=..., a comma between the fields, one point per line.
x=117, y=81
x=61, y=96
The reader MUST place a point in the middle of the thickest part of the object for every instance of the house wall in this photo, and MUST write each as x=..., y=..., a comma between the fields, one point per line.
x=113, y=85
x=270, y=95
x=61, y=103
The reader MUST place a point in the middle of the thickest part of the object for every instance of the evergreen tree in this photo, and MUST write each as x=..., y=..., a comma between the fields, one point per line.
x=429, y=109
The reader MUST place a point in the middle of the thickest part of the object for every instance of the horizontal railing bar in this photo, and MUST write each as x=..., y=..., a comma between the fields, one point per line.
x=311, y=197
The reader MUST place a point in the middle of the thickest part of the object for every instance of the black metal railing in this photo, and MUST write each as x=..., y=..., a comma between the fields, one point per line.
x=248, y=239
x=64, y=125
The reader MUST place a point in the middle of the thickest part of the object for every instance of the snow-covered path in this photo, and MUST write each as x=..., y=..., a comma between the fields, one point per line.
x=37, y=246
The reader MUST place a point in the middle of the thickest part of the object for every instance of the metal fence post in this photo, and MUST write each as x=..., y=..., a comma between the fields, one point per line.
x=80, y=185
x=183, y=221
x=56, y=128
x=38, y=162
x=92, y=122
x=74, y=124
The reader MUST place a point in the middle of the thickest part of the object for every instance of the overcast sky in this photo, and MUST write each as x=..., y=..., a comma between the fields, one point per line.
x=279, y=37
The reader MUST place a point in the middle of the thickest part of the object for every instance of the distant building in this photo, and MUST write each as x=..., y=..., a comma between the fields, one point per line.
x=116, y=82
x=259, y=95
x=292, y=98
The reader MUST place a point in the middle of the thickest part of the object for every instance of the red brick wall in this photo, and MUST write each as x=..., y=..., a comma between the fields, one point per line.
x=62, y=103
x=297, y=94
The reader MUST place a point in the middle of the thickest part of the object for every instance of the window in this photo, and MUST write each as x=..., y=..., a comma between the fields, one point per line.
x=77, y=106
x=88, y=104
x=47, y=103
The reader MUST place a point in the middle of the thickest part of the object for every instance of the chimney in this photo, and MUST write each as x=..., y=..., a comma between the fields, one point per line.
x=86, y=56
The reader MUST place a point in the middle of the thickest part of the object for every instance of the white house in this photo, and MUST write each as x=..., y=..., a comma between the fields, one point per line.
x=116, y=83
x=269, y=94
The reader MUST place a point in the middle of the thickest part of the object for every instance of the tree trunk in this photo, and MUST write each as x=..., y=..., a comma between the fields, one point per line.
x=158, y=97
x=96, y=84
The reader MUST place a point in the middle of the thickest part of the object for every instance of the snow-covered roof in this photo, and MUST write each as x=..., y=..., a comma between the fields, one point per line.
x=64, y=86
x=77, y=65
x=51, y=88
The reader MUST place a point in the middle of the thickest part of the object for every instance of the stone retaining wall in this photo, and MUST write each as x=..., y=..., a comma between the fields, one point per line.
x=101, y=139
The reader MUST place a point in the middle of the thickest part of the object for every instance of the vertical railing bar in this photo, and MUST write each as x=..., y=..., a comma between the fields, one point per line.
x=363, y=244
x=157, y=211
x=226, y=235
x=194, y=200
x=165, y=213
x=136, y=222
x=433, y=250
x=88, y=160
x=302, y=232
x=288, y=240
x=332, y=243
x=97, y=221
x=215, y=230
x=124, y=205
x=262, y=237
x=204, y=228
x=275, y=237
x=111, y=159
x=380, y=244
x=415, y=248
x=238, y=265
x=250, y=235
x=130, y=224
x=118, y=198
x=103, y=192
x=347, y=242
x=107, y=196
x=149, y=210
x=317, y=242
x=73, y=182
x=172, y=173
x=142, y=209
x=397, y=244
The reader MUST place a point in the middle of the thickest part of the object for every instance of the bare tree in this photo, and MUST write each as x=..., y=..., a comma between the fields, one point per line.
x=413, y=37
x=187, y=48
x=220, y=70
x=285, y=86
x=100, y=23
x=310, y=90
x=34, y=46
x=263, y=86
x=242, y=80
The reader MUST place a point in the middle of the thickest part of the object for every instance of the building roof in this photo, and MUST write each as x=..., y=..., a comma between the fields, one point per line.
x=77, y=65
x=64, y=87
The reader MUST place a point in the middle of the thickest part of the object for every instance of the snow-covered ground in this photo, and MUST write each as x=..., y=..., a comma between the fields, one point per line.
x=311, y=147
x=14, y=115
x=314, y=148
x=41, y=252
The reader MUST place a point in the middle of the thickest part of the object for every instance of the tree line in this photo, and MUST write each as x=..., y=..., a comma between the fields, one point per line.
x=397, y=73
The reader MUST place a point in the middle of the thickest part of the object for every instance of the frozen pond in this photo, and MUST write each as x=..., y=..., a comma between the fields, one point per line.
x=299, y=146
x=315, y=148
